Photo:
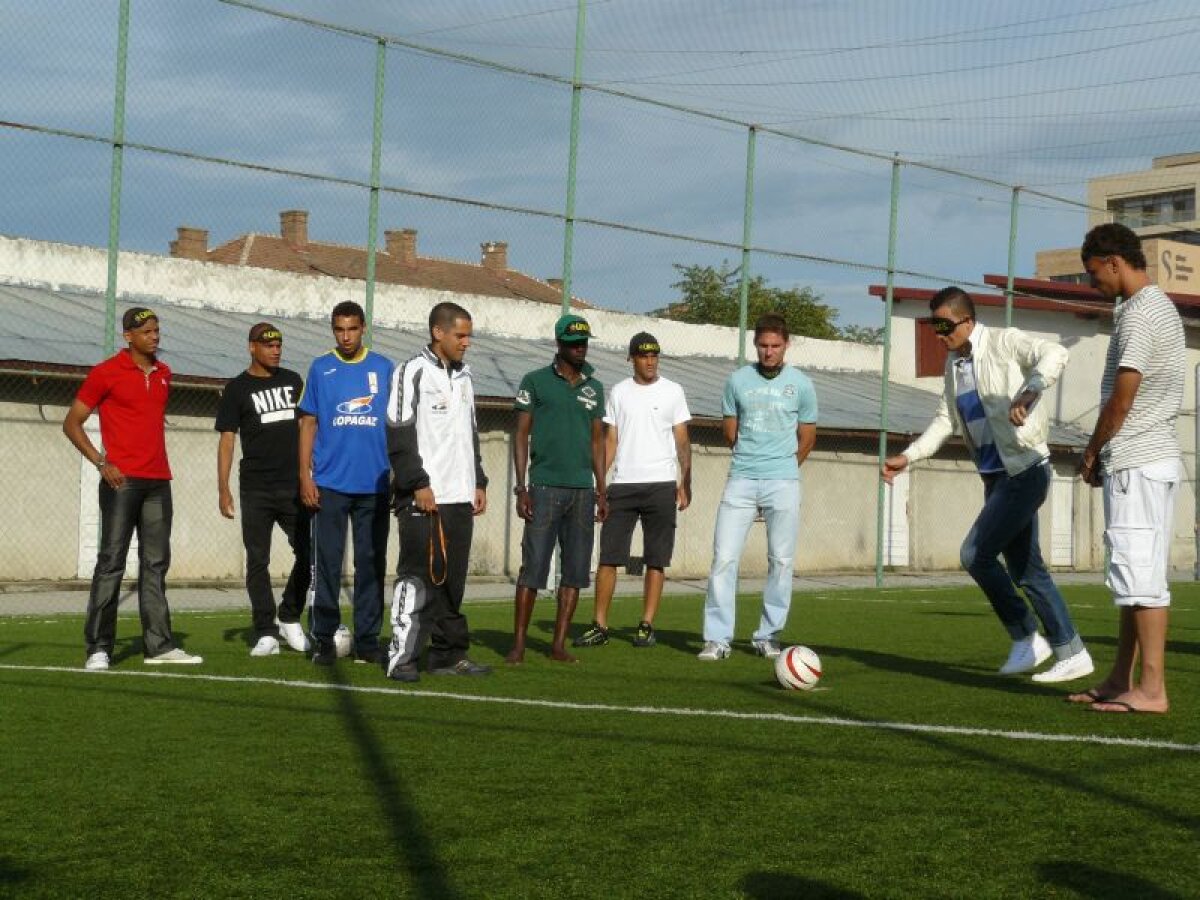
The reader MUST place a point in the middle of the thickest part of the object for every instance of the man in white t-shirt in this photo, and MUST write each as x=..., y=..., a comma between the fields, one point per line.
x=647, y=449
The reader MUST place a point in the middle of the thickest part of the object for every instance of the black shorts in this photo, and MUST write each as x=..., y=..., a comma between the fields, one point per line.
x=652, y=503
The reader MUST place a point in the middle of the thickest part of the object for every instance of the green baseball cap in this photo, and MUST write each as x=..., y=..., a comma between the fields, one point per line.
x=572, y=329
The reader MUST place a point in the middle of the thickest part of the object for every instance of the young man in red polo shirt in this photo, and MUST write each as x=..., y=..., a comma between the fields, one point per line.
x=130, y=392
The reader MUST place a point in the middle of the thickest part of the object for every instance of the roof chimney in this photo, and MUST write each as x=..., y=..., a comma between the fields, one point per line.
x=293, y=226
x=402, y=245
x=191, y=243
x=495, y=256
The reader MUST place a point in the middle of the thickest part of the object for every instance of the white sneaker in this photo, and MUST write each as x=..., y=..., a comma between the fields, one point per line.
x=266, y=646
x=293, y=634
x=97, y=662
x=1026, y=655
x=714, y=650
x=1068, y=669
x=174, y=657
x=766, y=647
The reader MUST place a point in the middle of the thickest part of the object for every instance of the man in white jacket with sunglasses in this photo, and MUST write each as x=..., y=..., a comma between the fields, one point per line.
x=994, y=378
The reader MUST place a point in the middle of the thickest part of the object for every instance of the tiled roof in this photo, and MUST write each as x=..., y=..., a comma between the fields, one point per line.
x=320, y=258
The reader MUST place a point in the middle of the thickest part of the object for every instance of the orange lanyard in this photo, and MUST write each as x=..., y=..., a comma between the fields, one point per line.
x=437, y=534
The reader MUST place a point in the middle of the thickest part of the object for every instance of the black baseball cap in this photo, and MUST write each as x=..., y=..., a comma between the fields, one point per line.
x=264, y=333
x=135, y=317
x=643, y=344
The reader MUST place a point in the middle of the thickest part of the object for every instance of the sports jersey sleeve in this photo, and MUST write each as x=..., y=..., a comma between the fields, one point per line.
x=310, y=401
x=481, y=479
x=229, y=410
x=404, y=452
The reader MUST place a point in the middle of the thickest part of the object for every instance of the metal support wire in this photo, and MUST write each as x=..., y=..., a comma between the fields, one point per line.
x=881, y=494
x=747, y=223
x=373, y=212
x=572, y=158
x=1012, y=256
x=114, y=184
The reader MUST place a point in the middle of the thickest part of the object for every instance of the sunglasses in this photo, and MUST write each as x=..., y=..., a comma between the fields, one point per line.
x=944, y=327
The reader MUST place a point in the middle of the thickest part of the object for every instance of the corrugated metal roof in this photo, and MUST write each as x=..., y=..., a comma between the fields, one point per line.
x=40, y=325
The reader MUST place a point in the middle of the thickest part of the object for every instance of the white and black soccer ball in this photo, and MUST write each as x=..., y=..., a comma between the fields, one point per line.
x=343, y=641
x=798, y=668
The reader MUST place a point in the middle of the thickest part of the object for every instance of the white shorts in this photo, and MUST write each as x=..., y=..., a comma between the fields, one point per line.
x=1139, y=510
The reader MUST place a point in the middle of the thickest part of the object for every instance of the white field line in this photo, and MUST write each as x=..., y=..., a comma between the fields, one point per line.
x=832, y=721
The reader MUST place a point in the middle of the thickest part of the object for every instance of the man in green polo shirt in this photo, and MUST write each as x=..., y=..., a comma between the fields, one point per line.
x=560, y=445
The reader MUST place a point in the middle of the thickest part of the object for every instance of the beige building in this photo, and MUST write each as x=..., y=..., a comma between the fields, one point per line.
x=1159, y=204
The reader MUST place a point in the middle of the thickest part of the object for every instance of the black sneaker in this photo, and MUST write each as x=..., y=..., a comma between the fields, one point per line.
x=375, y=656
x=407, y=672
x=596, y=636
x=462, y=667
x=645, y=635
x=324, y=654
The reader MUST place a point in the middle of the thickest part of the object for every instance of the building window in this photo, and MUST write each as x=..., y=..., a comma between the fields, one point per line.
x=1154, y=209
x=931, y=353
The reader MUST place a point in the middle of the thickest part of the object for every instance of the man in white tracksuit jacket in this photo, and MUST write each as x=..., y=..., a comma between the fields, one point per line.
x=994, y=378
x=438, y=488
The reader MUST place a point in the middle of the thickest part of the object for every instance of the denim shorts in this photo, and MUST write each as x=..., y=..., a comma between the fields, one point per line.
x=564, y=517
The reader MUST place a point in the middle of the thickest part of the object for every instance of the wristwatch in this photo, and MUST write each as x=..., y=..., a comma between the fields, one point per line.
x=519, y=490
x=101, y=462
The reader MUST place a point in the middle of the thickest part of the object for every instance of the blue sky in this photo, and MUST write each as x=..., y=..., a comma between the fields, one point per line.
x=1020, y=92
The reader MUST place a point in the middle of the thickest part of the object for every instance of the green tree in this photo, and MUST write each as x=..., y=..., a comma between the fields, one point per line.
x=711, y=296
x=862, y=334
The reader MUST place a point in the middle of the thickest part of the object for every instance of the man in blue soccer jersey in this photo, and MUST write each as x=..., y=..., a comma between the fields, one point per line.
x=344, y=477
x=770, y=420
x=993, y=380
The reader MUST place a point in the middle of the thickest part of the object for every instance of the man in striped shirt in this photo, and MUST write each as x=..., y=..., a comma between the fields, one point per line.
x=1134, y=455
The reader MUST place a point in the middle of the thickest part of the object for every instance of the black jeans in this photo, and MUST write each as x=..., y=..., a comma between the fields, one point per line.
x=144, y=505
x=430, y=582
x=262, y=510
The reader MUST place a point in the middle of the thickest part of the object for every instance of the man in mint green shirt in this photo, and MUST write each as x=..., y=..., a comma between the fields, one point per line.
x=770, y=420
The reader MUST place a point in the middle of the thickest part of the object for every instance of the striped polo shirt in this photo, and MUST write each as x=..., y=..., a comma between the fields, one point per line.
x=1149, y=338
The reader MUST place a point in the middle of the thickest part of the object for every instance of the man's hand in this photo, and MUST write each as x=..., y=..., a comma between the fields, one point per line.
x=893, y=466
x=310, y=494
x=226, y=503
x=112, y=476
x=1018, y=410
x=525, y=505
x=601, y=506
x=1089, y=470
x=683, y=497
x=423, y=499
x=479, y=507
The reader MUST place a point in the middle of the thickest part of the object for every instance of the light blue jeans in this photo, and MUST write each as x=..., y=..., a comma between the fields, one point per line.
x=780, y=505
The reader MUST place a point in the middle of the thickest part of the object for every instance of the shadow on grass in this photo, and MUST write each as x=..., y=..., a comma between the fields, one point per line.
x=776, y=885
x=1189, y=647
x=411, y=844
x=11, y=875
x=949, y=673
x=245, y=633
x=129, y=647
x=1087, y=880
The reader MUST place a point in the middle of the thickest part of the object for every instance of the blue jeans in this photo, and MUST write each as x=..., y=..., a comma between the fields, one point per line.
x=1008, y=526
x=780, y=505
x=565, y=517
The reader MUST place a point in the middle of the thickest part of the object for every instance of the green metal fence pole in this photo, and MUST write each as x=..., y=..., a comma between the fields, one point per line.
x=1012, y=255
x=747, y=222
x=572, y=156
x=114, y=184
x=881, y=496
x=373, y=212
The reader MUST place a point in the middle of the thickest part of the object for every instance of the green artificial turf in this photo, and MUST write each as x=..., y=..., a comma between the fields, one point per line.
x=170, y=784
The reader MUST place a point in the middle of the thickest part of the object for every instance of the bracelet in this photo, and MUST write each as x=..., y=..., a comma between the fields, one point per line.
x=101, y=462
x=519, y=490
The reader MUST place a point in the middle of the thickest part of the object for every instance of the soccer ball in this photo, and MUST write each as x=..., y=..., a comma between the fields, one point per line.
x=343, y=643
x=798, y=668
